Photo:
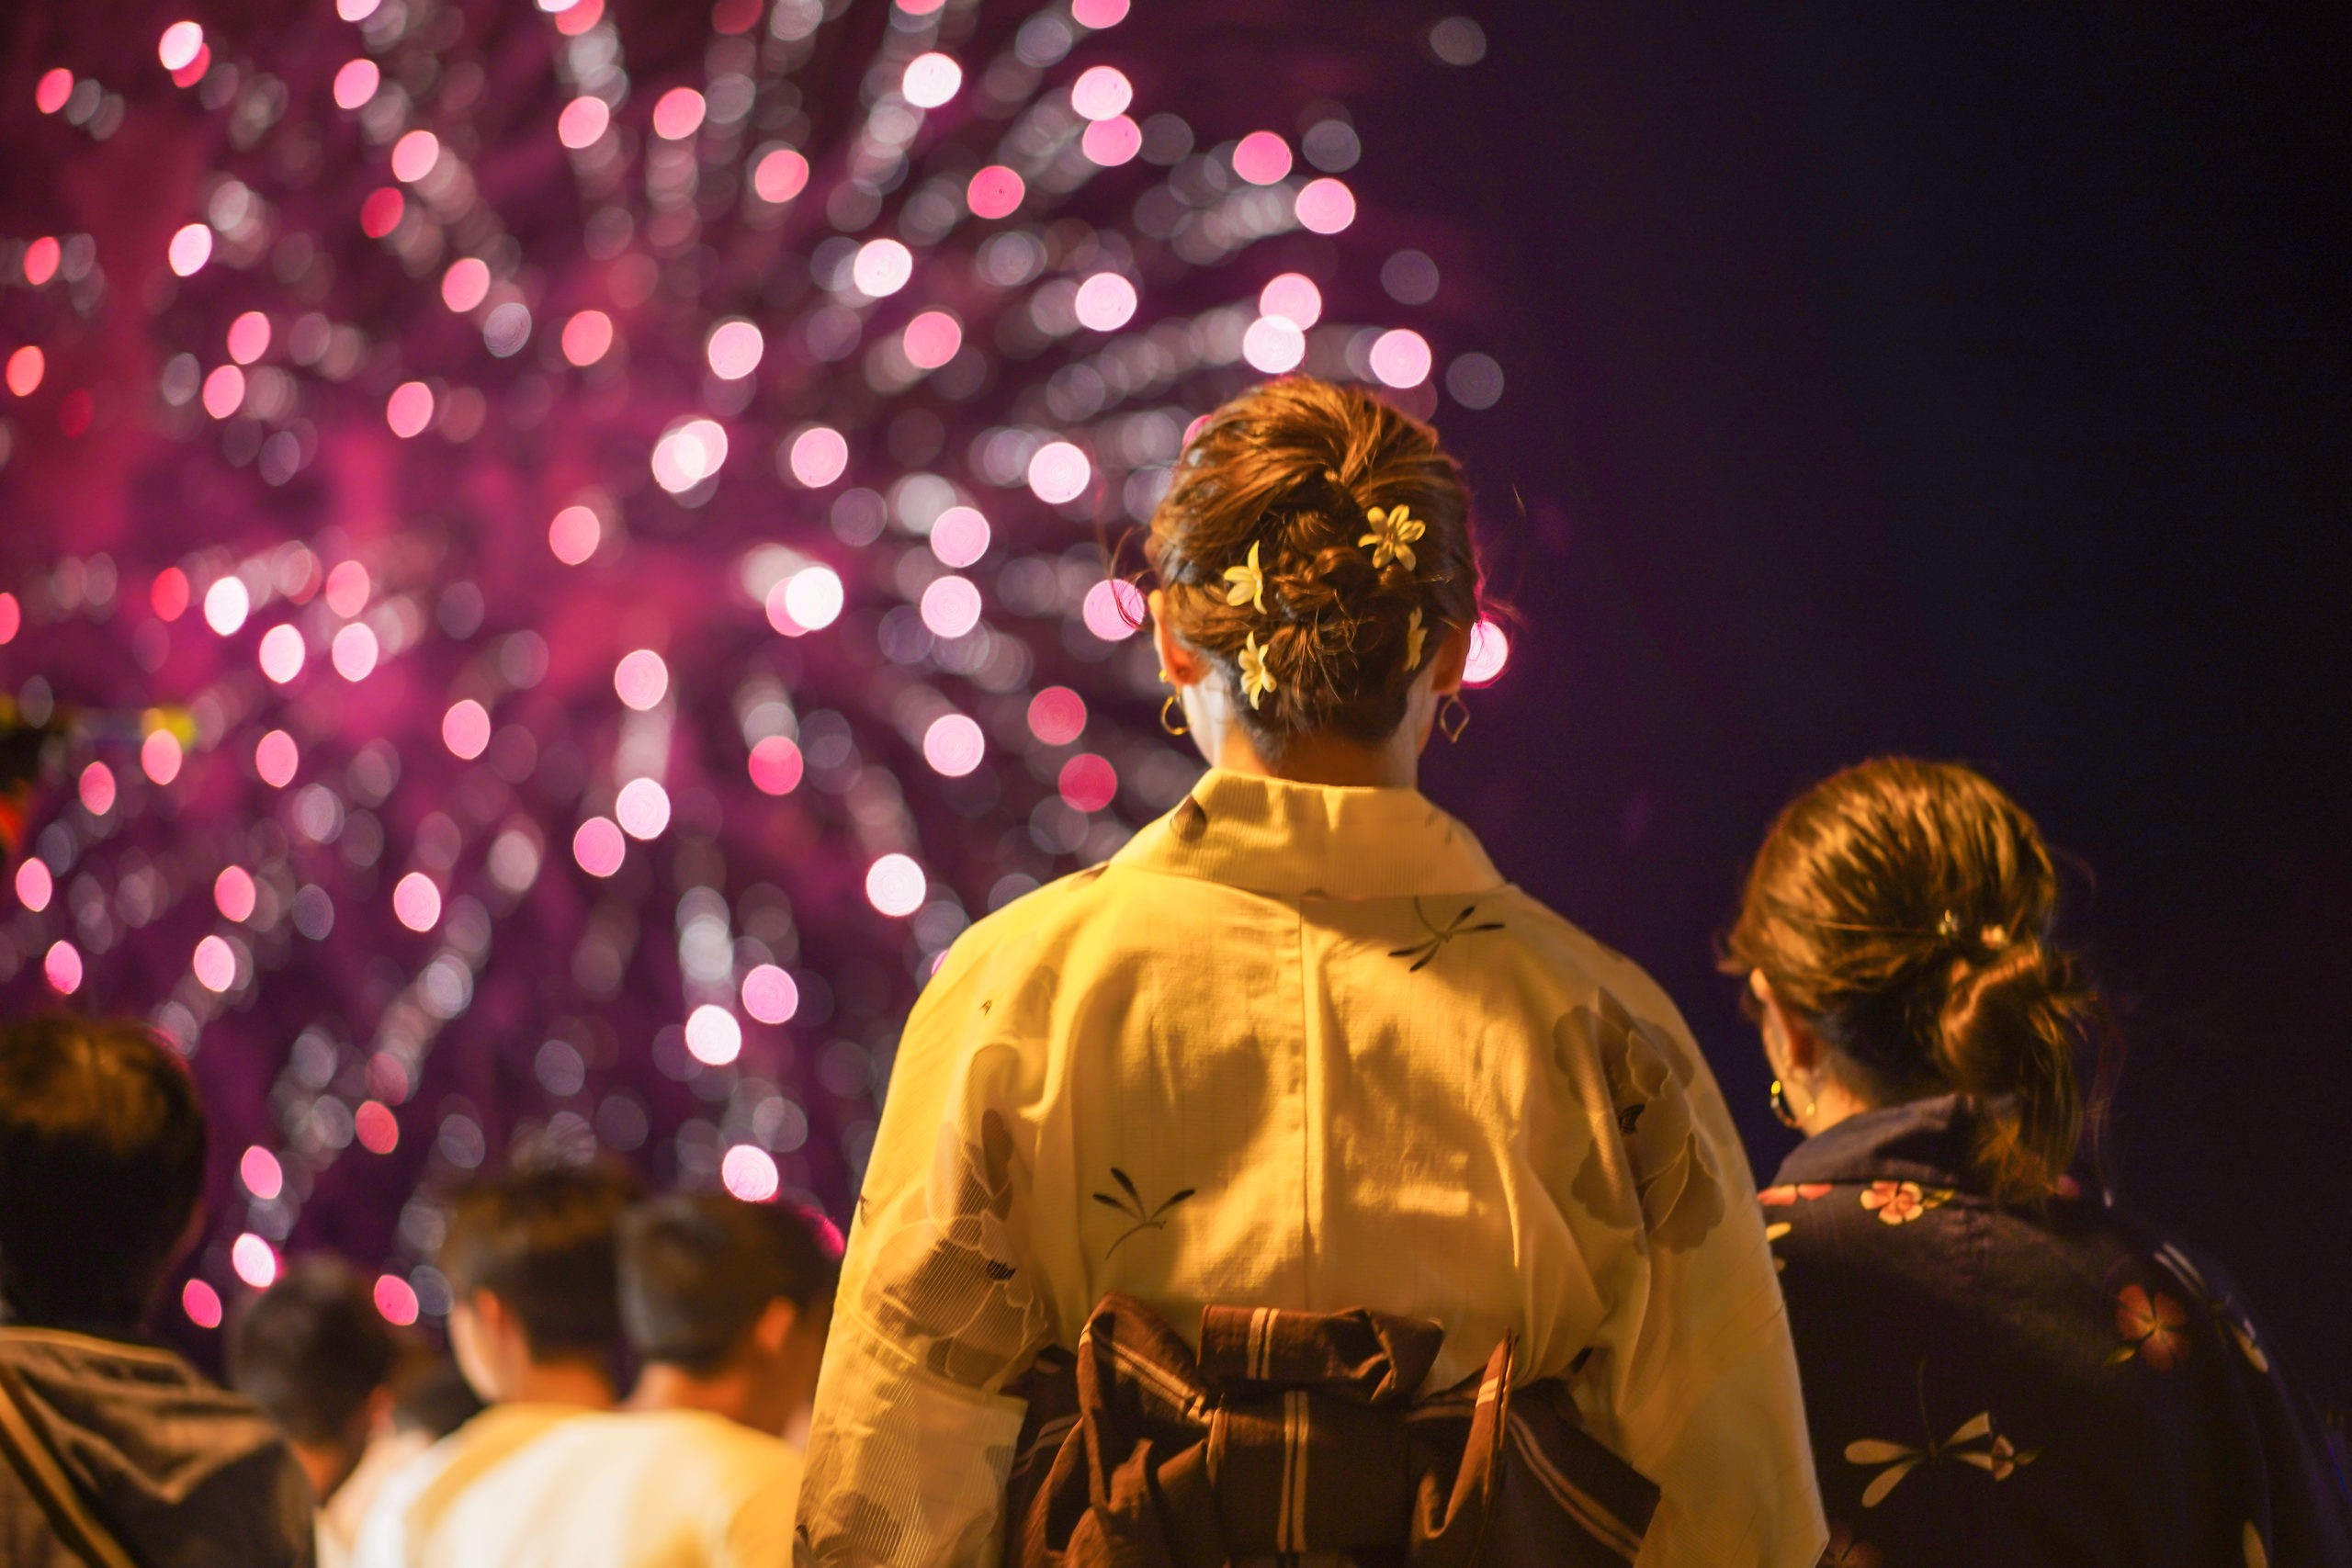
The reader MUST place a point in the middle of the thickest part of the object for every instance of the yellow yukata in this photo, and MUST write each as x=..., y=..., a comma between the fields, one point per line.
x=1303, y=1047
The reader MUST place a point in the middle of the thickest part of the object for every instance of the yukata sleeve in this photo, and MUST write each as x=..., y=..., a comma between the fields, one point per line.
x=939, y=1303
x=1695, y=1370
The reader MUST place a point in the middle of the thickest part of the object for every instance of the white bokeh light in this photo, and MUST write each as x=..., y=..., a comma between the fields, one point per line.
x=895, y=885
x=226, y=605
x=813, y=597
x=688, y=453
x=882, y=268
x=642, y=808
x=1274, y=345
x=930, y=80
x=734, y=349
x=641, y=678
x=1059, y=472
x=713, y=1037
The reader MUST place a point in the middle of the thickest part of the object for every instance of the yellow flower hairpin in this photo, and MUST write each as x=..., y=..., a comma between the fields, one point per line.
x=1392, y=536
x=1415, y=634
x=1248, y=583
x=1256, y=678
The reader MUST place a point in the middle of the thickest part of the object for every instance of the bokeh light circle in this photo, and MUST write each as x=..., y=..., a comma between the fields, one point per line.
x=1262, y=157
x=179, y=45
x=233, y=893
x=1088, y=782
x=995, y=192
x=215, y=963
x=28, y=363
x=641, y=678
x=464, y=729
x=466, y=284
x=775, y=766
x=1108, y=143
x=582, y=122
x=1105, y=302
x=818, y=455
x=1059, y=472
x=254, y=1260
x=960, y=536
x=1057, y=715
x=226, y=604
x=35, y=885
x=881, y=268
x=262, y=1175
x=416, y=902
x=1293, y=298
x=282, y=654
x=931, y=339
x=1401, y=357
x=951, y=606
x=275, y=758
x=1098, y=14
x=780, y=176
x=930, y=80
x=1489, y=652
x=1325, y=207
x=953, y=745
x=62, y=967
x=587, y=337
x=1274, y=345
x=409, y=410
x=348, y=589
x=224, y=391
x=1102, y=91
x=190, y=248
x=599, y=846
x=355, y=651
x=201, y=1303
x=688, y=453
x=41, y=260
x=160, y=756
x=396, y=1300
x=642, y=808
x=749, y=1174
x=574, y=534
x=96, y=789
x=770, y=994
x=713, y=1037
x=1113, y=609
x=414, y=156
x=1476, y=381
x=679, y=113
x=895, y=884
x=813, y=597
x=734, y=349
x=248, y=337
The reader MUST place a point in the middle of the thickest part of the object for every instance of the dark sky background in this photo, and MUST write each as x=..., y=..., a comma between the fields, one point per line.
x=1960, y=380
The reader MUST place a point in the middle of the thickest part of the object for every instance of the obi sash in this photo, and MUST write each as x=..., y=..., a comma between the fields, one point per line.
x=1296, y=1434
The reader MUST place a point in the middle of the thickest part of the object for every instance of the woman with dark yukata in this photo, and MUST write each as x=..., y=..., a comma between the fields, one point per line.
x=2000, y=1367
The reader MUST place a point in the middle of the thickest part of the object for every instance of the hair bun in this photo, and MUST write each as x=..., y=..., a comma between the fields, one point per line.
x=1292, y=469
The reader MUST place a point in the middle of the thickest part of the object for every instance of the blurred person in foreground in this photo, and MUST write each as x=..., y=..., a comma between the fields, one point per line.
x=534, y=1326
x=355, y=1401
x=725, y=1303
x=2000, y=1367
x=112, y=1449
x=1295, y=1130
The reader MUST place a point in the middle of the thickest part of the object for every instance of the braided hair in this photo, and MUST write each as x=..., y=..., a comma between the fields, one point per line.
x=1303, y=473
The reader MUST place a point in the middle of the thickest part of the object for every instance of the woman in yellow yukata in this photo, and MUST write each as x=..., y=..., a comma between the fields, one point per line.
x=1299, y=1045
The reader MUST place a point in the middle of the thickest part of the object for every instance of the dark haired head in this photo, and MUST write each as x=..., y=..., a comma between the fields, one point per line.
x=1903, y=909
x=311, y=1350
x=101, y=1169
x=1294, y=468
x=698, y=1271
x=542, y=1242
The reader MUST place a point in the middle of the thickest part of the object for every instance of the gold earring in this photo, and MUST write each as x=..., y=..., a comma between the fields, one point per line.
x=1164, y=724
x=1453, y=716
x=1784, y=1114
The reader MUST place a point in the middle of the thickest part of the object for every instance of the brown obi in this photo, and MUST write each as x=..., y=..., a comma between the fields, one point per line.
x=1297, y=1433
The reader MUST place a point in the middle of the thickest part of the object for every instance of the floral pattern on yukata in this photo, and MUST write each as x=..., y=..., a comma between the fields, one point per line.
x=1900, y=1202
x=1657, y=1171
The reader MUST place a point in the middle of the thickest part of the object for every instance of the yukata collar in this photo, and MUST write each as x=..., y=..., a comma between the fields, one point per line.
x=1927, y=1141
x=1312, y=840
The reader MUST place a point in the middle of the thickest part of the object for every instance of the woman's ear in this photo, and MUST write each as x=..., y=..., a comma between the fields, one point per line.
x=1788, y=1044
x=1452, y=659
x=1182, y=665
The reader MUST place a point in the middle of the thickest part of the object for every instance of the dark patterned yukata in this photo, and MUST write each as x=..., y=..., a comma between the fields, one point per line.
x=1993, y=1386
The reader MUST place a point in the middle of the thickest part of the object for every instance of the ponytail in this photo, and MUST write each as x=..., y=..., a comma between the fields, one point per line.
x=2009, y=1033
x=1903, y=909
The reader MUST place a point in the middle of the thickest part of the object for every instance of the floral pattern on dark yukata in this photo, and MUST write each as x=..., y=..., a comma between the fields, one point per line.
x=1993, y=1386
